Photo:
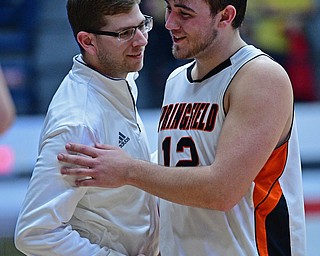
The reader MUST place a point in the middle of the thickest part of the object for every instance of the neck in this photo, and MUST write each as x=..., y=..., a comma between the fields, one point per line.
x=94, y=64
x=215, y=56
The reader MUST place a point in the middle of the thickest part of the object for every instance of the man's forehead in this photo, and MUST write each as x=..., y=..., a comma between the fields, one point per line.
x=182, y=2
x=123, y=21
x=191, y=5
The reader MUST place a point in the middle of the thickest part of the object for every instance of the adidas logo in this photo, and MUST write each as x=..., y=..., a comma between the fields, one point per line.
x=123, y=140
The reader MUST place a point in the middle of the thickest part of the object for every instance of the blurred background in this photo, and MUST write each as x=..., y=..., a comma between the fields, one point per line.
x=36, y=50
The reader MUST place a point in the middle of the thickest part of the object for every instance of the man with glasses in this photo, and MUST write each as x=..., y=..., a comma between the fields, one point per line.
x=95, y=103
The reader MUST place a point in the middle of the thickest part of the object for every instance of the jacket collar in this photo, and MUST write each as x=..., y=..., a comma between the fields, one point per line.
x=108, y=86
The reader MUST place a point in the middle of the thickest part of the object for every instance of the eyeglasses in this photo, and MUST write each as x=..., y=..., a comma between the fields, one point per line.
x=128, y=34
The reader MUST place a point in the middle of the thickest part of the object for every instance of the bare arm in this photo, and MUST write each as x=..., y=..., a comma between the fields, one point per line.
x=259, y=110
x=7, y=108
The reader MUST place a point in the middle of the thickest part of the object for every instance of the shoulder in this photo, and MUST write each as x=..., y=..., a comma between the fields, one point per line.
x=263, y=75
x=265, y=67
x=261, y=83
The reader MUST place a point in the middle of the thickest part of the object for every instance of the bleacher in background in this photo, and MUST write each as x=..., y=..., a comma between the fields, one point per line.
x=55, y=48
x=18, y=19
x=36, y=50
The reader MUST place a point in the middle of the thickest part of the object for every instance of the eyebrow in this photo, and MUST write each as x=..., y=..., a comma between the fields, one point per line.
x=128, y=27
x=183, y=6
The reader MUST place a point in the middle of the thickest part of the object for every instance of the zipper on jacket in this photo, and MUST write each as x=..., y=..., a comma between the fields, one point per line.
x=134, y=106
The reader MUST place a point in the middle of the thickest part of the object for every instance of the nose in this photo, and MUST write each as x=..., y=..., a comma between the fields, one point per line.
x=171, y=23
x=140, y=38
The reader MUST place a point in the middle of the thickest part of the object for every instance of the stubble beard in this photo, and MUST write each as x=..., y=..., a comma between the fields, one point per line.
x=195, y=49
x=117, y=68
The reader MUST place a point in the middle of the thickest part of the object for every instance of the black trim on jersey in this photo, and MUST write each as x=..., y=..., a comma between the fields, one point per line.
x=277, y=230
x=216, y=70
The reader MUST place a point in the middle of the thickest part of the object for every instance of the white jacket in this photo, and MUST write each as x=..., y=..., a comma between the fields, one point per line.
x=58, y=218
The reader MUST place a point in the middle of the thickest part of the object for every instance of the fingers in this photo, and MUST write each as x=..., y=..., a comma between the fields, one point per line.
x=84, y=176
x=82, y=149
x=88, y=150
x=86, y=182
x=76, y=159
x=84, y=173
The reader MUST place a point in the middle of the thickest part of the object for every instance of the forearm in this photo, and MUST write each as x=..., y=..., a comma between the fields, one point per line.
x=219, y=186
x=205, y=187
x=191, y=186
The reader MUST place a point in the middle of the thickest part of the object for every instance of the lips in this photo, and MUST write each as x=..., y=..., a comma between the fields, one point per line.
x=177, y=39
x=136, y=55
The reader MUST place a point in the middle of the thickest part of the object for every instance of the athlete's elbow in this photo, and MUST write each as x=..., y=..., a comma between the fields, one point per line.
x=223, y=202
x=223, y=206
x=227, y=206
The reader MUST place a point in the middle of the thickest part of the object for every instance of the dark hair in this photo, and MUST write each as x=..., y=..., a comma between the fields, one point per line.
x=86, y=15
x=219, y=5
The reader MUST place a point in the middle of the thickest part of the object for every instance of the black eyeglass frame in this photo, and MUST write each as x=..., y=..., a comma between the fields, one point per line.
x=148, y=19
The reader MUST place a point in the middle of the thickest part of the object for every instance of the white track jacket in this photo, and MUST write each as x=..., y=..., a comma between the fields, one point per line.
x=58, y=218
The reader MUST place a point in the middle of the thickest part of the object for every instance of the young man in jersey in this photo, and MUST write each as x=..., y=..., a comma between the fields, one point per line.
x=96, y=103
x=229, y=174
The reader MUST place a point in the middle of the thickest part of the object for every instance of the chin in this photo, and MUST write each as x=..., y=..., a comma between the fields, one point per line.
x=138, y=67
x=178, y=55
x=181, y=54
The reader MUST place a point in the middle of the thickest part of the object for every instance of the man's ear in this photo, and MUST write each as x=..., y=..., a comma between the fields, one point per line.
x=87, y=42
x=227, y=15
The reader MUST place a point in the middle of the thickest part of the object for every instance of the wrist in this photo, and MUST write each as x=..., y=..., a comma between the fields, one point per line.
x=135, y=172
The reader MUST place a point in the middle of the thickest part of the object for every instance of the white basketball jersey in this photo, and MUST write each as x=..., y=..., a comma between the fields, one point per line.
x=191, y=120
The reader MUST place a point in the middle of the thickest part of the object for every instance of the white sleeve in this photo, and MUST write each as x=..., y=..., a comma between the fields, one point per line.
x=50, y=202
x=154, y=157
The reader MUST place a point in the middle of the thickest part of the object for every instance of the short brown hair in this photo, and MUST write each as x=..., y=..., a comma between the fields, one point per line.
x=219, y=5
x=89, y=15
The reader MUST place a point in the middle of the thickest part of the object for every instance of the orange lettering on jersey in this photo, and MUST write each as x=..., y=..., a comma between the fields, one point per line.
x=185, y=117
x=188, y=116
x=211, y=120
x=165, y=116
x=177, y=118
